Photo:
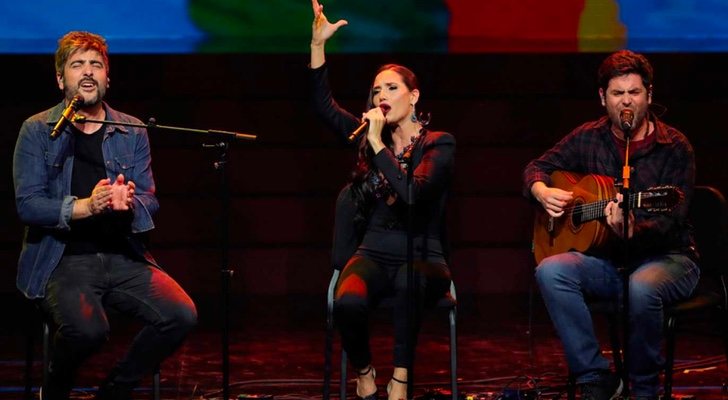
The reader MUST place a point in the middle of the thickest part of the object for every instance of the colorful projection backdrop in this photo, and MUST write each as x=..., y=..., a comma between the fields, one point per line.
x=440, y=26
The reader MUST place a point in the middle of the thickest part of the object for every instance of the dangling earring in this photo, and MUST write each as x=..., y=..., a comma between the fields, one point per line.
x=413, y=118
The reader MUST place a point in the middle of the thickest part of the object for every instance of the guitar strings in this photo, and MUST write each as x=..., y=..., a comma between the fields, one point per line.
x=594, y=209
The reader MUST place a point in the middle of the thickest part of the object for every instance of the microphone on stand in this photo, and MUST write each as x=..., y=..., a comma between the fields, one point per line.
x=626, y=119
x=67, y=115
x=365, y=124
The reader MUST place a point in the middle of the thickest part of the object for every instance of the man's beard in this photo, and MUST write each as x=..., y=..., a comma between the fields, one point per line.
x=87, y=101
x=640, y=117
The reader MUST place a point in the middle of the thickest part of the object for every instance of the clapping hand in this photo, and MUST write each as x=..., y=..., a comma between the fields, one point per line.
x=122, y=195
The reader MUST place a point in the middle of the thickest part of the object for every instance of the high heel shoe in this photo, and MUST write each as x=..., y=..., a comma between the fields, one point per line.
x=389, y=386
x=372, y=396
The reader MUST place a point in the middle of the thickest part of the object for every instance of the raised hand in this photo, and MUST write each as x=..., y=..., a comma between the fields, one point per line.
x=322, y=29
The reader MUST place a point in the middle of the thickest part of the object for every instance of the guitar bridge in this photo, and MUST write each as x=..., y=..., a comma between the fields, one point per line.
x=551, y=225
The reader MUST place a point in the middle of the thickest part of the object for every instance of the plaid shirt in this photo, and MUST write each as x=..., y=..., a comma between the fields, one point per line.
x=668, y=160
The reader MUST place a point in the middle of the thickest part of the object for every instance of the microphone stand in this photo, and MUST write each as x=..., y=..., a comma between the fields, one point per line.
x=152, y=124
x=412, y=294
x=624, y=271
x=225, y=272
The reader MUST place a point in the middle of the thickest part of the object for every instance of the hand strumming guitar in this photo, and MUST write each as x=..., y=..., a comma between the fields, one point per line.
x=552, y=199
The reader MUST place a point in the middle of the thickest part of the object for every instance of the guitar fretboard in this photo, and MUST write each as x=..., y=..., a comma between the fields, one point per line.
x=590, y=211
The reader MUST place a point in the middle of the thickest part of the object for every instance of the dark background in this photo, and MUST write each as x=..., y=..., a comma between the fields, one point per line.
x=504, y=110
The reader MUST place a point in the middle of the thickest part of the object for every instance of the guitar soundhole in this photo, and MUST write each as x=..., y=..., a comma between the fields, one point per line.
x=577, y=216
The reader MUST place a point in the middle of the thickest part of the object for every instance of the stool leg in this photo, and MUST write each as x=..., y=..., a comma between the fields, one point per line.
x=723, y=322
x=613, y=324
x=669, y=355
x=29, y=356
x=328, y=349
x=156, y=385
x=571, y=388
x=453, y=353
x=342, y=382
x=46, y=353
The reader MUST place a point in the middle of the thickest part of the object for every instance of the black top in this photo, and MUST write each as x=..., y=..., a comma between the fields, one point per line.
x=385, y=237
x=105, y=232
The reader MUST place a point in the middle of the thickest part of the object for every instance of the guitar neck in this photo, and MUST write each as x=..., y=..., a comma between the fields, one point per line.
x=595, y=209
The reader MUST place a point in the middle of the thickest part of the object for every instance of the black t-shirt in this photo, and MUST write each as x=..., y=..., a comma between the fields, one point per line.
x=103, y=233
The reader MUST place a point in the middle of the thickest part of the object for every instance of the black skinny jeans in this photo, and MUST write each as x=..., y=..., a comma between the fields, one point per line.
x=363, y=283
x=81, y=287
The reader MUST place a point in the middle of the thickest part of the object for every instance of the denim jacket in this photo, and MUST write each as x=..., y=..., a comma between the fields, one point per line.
x=42, y=169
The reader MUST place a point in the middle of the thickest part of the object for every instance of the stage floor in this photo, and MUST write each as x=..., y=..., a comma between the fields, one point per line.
x=277, y=349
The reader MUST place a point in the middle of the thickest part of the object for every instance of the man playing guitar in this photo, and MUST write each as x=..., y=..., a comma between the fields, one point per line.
x=662, y=258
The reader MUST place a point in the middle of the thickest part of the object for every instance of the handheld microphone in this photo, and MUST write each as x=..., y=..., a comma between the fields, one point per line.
x=67, y=114
x=626, y=119
x=365, y=124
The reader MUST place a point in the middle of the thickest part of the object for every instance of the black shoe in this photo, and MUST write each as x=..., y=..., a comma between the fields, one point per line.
x=115, y=391
x=59, y=384
x=607, y=387
x=112, y=389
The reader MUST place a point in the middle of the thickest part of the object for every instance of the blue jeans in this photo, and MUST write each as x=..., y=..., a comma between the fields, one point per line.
x=80, y=289
x=567, y=279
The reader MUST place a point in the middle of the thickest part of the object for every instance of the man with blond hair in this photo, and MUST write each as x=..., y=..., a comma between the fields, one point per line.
x=85, y=192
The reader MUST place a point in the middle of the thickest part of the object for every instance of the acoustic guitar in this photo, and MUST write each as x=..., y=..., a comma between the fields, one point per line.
x=583, y=226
